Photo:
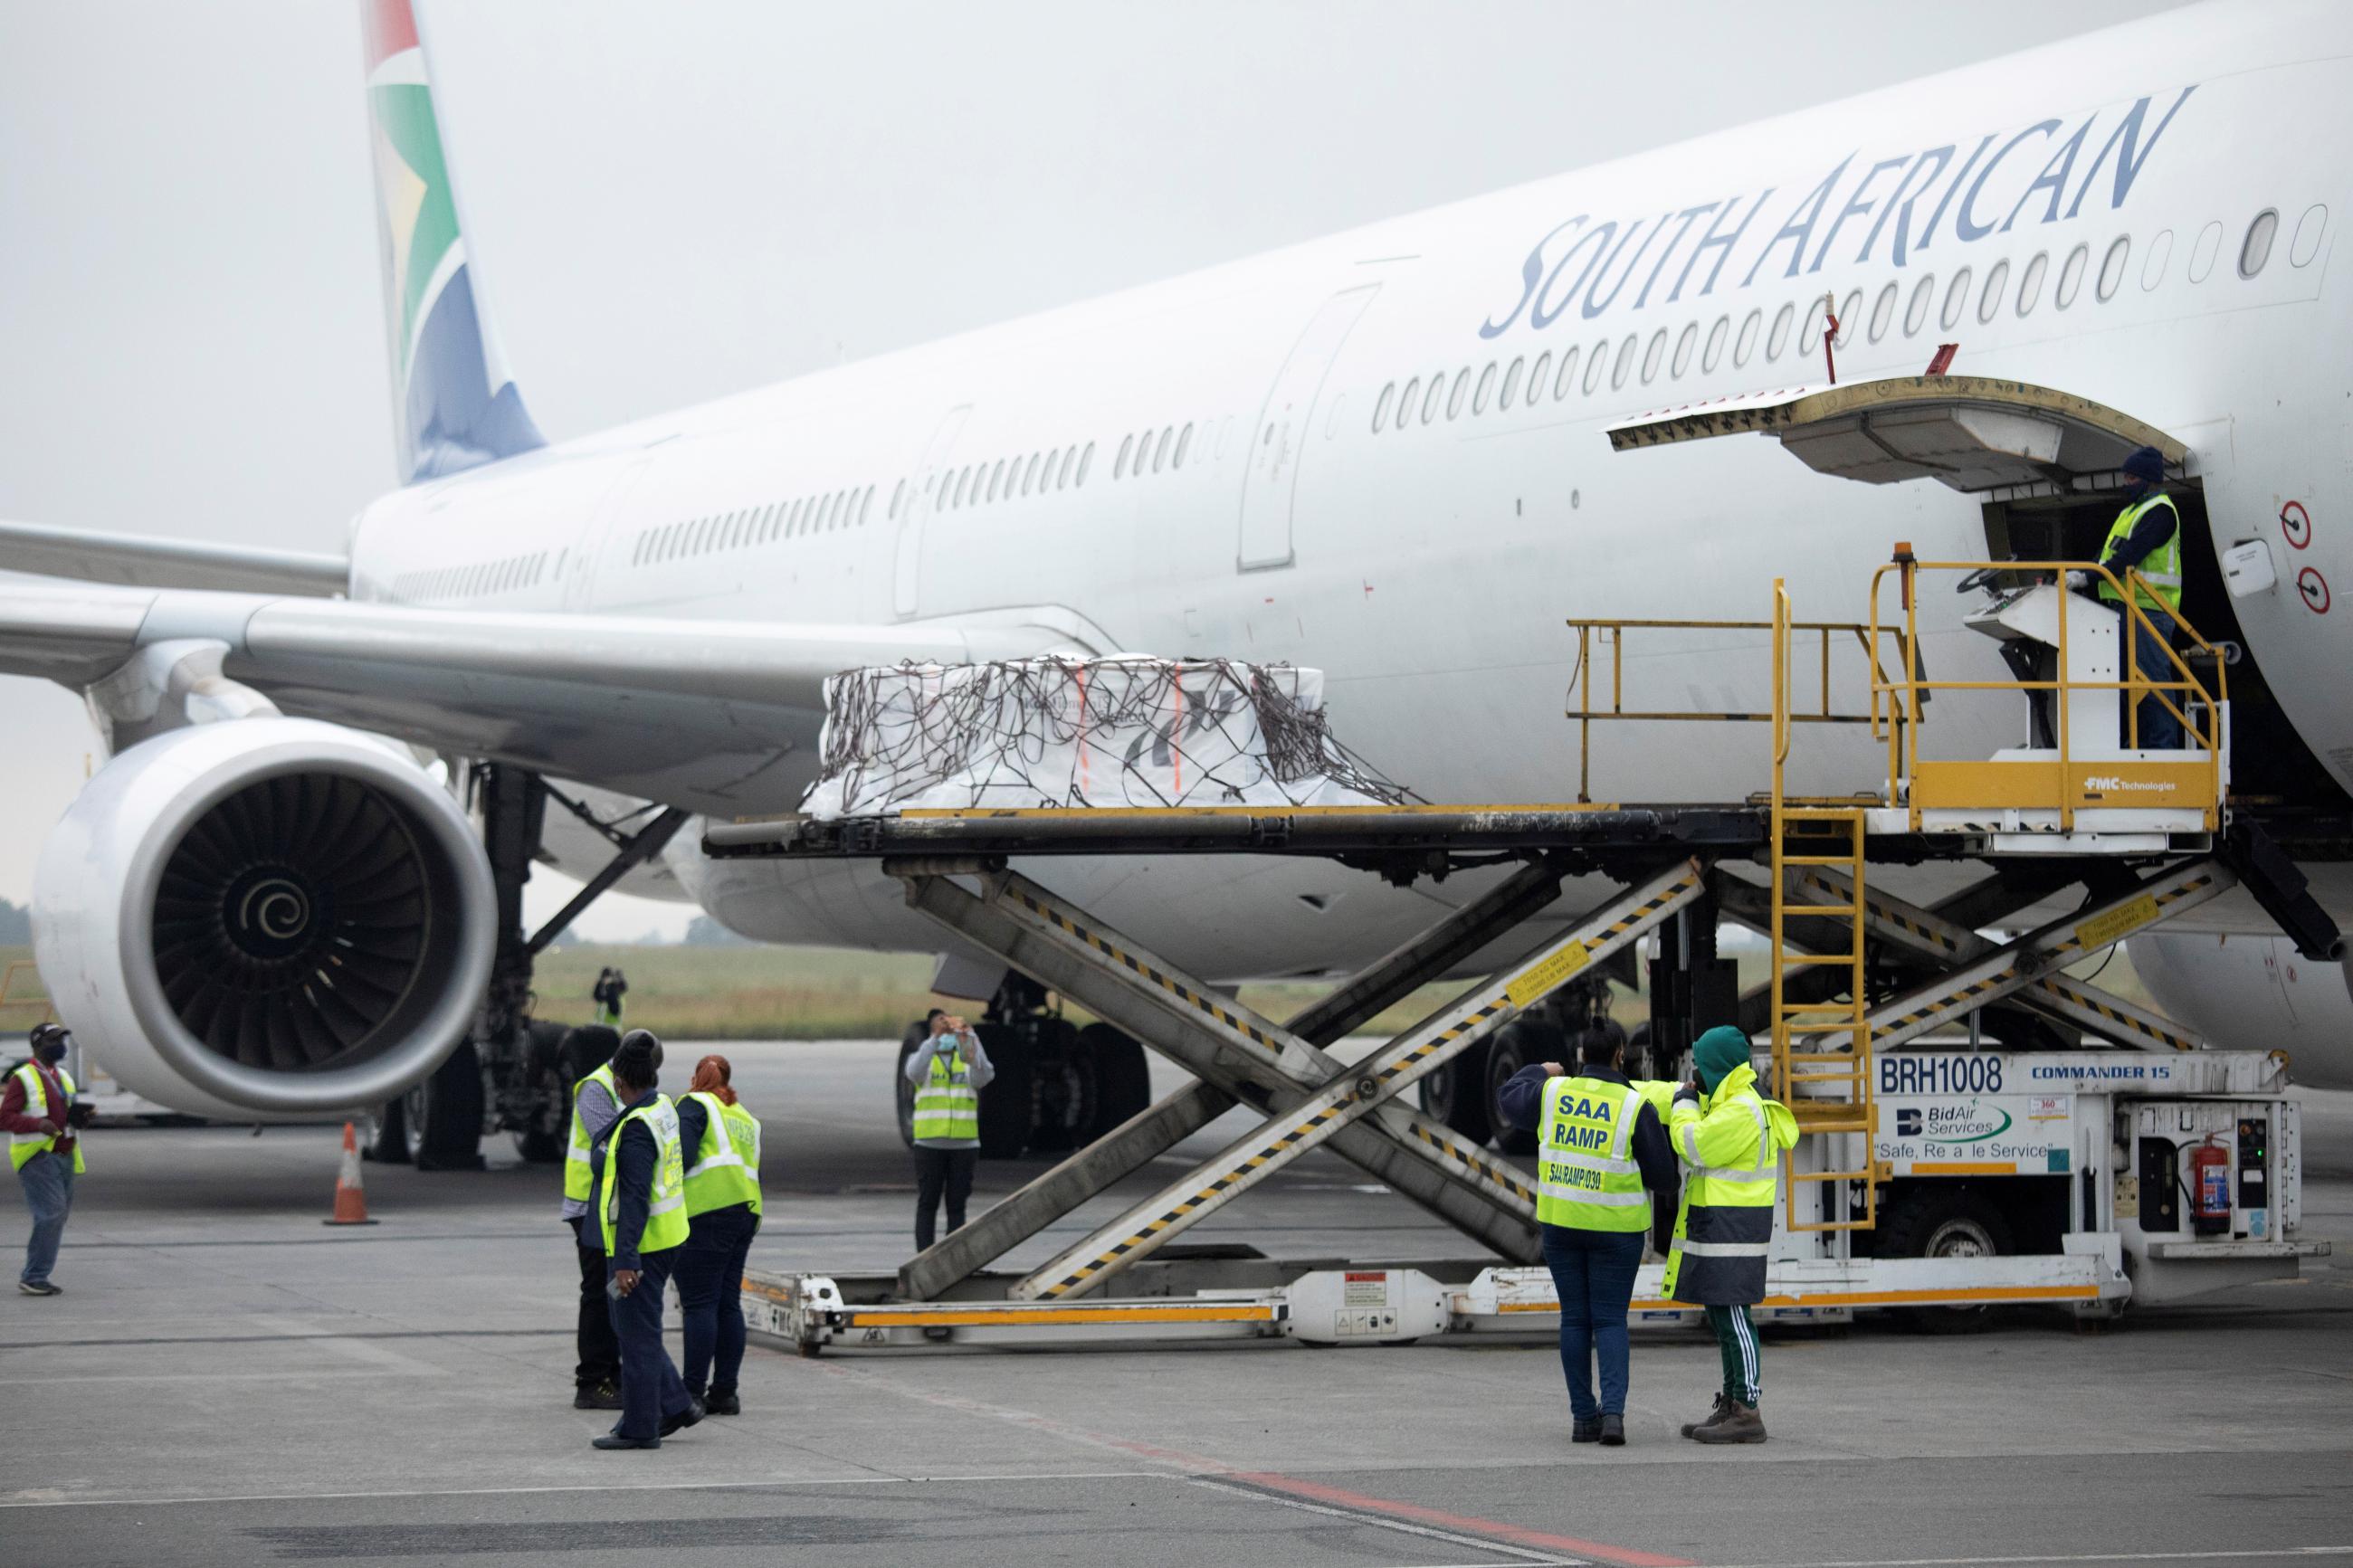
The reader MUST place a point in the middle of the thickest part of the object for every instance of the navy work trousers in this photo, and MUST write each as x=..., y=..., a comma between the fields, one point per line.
x=650, y=1388
x=1593, y=1274
x=711, y=1296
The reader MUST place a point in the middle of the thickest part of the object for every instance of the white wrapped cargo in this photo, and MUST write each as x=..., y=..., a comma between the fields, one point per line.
x=1126, y=731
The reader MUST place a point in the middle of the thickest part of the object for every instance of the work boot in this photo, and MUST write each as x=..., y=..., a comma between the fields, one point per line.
x=596, y=1396
x=1586, y=1429
x=716, y=1404
x=1714, y=1414
x=1613, y=1431
x=1741, y=1424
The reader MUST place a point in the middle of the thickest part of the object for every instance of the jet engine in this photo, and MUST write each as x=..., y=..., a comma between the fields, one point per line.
x=265, y=919
x=2255, y=993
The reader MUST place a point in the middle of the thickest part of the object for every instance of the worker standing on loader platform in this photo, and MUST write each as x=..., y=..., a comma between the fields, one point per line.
x=587, y=1056
x=1730, y=1140
x=36, y=1107
x=1600, y=1145
x=641, y=1208
x=2147, y=535
x=949, y=1069
x=720, y=1141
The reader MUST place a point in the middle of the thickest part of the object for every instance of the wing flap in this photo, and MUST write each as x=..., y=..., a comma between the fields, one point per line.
x=141, y=561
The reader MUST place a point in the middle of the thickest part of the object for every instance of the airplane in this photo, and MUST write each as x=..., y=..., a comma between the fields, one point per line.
x=1385, y=455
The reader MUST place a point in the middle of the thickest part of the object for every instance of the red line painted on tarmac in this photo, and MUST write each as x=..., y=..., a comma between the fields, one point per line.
x=1517, y=1535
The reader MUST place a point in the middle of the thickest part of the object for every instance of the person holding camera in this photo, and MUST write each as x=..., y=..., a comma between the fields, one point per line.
x=36, y=1107
x=948, y=1070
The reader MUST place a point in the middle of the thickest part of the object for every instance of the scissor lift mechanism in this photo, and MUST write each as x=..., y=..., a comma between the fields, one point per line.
x=1813, y=904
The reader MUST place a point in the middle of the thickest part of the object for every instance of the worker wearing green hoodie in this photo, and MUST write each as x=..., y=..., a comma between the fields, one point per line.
x=1729, y=1139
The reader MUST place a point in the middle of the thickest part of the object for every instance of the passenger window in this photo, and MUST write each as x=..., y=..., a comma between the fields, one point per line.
x=1624, y=367
x=1118, y=464
x=964, y=477
x=1433, y=397
x=1783, y=319
x=1685, y=345
x=1511, y=385
x=1744, y=345
x=2112, y=267
x=2160, y=252
x=1653, y=355
x=1537, y=376
x=1184, y=445
x=898, y=494
x=1989, y=302
x=1381, y=408
x=1596, y=366
x=1454, y=398
x=2070, y=276
x=2308, y=230
x=2202, y=254
x=1413, y=395
x=1086, y=461
x=1486, y=388
x=1850, y=318
x=1566, y=381
x=996, y=479
x=1956, y=299
x=865, y=504
x=1160, y=450
x=2253, y=250
x=2029, y=282
x=1812, y=338
x=1882, y=312
x=1713, y=355
x=1915, y=314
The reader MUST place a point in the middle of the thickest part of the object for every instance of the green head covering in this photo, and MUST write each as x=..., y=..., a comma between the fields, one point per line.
x=1717, y=1053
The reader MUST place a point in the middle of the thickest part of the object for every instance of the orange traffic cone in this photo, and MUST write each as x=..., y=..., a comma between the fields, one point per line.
x=351, y=1203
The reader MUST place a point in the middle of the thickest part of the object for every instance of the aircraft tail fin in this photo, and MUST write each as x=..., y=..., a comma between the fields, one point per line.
x=454, y=405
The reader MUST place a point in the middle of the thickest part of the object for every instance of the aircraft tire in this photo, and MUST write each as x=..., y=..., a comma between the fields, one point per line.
x=445, y=1114
x=1123, y=1076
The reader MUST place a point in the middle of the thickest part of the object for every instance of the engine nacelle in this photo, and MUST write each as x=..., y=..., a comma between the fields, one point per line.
x=271, y=916
x=2255, y=993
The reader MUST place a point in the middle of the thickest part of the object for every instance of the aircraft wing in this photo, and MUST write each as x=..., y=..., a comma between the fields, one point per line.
x=146, y=562
x=718, y=716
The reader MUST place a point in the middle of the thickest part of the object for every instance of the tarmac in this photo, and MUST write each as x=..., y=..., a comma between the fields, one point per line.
x=226, y=1380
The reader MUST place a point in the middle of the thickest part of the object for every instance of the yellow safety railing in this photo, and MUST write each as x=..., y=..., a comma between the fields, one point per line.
x=1612, y=632
x=2061, y=784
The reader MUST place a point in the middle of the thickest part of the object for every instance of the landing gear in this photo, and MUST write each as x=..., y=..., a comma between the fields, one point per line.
x=445, y=1114
x=383, y=1133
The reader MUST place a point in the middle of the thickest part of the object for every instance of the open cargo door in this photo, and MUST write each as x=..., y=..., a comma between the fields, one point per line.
x=1972, y=432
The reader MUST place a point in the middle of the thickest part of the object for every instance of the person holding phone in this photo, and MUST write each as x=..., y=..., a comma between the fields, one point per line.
x=949, y=1069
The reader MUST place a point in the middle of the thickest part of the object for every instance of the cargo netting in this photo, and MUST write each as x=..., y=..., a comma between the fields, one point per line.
x=1025, y=734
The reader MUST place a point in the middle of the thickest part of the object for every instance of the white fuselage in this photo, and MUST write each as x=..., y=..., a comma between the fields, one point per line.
x=1428, y=566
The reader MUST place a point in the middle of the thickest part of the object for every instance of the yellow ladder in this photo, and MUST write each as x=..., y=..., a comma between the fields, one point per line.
x=1829, y=1091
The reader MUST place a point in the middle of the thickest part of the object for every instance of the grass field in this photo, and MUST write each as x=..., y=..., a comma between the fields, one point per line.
x=816, y=994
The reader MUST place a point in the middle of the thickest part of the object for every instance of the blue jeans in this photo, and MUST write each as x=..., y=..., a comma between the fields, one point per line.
x=1593, y=1274
x=48, y=1192
x=2159, y=730
x=711, y=1296
x=649, y=1385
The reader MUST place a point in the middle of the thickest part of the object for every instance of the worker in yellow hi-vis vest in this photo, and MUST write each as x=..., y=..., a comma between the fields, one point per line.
x=949, y=1069
x=720, y=1141
x=2147, y=537
x=640, y=1176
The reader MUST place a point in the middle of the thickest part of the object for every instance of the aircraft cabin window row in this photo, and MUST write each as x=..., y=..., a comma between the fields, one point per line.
x=754, y=525
x=500, y=576
x=976, y=484
x=1520, y=383
x=1167, y=448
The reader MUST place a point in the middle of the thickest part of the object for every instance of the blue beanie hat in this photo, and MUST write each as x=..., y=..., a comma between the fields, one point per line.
x=2148, y=465
x=1717, y=1053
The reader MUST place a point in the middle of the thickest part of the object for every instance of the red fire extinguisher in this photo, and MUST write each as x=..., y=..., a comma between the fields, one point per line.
x=2210, y=1188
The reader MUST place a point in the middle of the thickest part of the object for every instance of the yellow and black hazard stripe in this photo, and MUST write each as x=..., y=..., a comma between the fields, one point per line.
x=2172, y=895
x=1209, y=1192
x=2141, y=1028
x=1486, y=1169
x=1878, y=912
x=1198, y=1001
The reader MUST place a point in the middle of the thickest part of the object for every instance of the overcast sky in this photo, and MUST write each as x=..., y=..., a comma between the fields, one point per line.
x=664, y=203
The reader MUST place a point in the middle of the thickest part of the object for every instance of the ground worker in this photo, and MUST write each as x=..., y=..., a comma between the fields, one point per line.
x=1600, y=1145
x=720, y=1141
x=36, y=1107
x=596, y=1374
x=610, y=987
x=949, y=1069
x=1730, y=1140
x=641, y=1208
x=2146, y=535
